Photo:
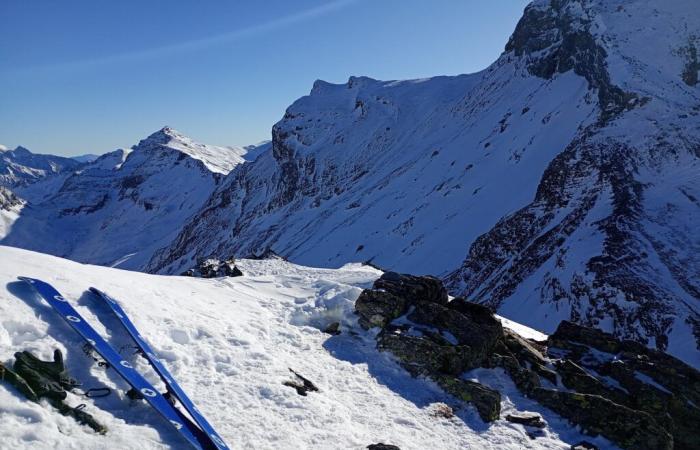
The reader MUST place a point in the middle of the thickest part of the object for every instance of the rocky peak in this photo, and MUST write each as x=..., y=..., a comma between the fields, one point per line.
x=556, y=36
x=20, y=151
x=159, y=138
x=167, y=141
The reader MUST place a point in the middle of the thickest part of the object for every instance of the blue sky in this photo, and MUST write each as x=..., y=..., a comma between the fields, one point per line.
x=91, y=76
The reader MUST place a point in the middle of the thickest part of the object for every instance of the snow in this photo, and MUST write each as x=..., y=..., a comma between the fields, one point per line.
x=123, y=206
x=230, y=342
x=217, y=159
x=522, y=330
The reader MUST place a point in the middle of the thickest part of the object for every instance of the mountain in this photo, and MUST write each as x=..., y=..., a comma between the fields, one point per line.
x=119, y=208
x=230, y=343
x=559, y=183
x=20, y=167
x=85, y=158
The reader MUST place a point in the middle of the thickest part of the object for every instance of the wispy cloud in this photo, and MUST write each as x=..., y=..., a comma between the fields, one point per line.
x=197, y=44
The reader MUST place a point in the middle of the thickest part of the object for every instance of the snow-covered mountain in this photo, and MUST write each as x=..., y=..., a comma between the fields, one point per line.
x=20, y=167
x=121, y=207
x=230, y=342
x=562, y=182
x=89, y=157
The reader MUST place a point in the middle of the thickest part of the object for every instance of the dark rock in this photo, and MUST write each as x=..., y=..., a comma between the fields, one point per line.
x=301, y=384
x=527, y=351
x=482, y=336
x=528, y=419
x=413, y=288
x=525, y=379
x=333, y=329
x=377, y=308
x=487, y=401
x=213, y=268
x=382, y=446
x=575, y=377
x=570, y=332
x=612, y=397
x=422, y=355
x=596, y=415
x=229, y=268
x=8, y=199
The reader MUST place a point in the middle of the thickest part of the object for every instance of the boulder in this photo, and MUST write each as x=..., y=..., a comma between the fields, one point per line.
x=377, y=308
x=413, y=288
x=382, y=446
x=481, y=334
x=229, y=269
x=528, y=419
x=424, y=355
x=487, y=401
x=332, y=329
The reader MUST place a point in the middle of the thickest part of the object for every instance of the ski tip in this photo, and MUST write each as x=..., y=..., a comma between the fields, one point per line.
x=27, y=280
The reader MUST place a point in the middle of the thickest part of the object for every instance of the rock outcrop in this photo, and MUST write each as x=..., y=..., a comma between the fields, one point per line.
x=637, y=397
x=8, y=200
x=214, y=268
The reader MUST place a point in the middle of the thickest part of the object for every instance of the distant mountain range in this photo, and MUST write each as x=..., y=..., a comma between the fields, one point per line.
x=20, y=167
x=562, y=182
x=121, y=207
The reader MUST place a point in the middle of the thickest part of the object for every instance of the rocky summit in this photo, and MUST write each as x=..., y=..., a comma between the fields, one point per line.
x=637, y=397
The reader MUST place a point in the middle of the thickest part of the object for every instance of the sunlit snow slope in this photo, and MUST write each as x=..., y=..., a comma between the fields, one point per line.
x=230, y=342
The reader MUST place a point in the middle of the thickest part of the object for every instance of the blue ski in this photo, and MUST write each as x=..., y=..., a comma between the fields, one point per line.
x=188, y=430
x=172, y=385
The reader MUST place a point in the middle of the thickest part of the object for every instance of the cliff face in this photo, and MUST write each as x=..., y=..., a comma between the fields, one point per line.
x=609, y=239
x=566, y=172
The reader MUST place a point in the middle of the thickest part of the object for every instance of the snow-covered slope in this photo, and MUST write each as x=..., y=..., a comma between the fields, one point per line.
x=121, y=207
x=230, y=342
x=20, y=167
x=566, y=173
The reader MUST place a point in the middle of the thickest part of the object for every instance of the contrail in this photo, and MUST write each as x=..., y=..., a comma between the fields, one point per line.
x=197, y=44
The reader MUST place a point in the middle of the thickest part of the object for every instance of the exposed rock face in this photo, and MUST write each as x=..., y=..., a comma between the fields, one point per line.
x=637, y=397
x=8, y=200
x=598, y=242
x=626, y=427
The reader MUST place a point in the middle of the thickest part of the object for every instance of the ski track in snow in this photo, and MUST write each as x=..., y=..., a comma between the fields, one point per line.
x=229, y=343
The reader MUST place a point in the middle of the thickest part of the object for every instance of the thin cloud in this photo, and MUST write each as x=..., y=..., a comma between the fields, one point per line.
x=198, y=44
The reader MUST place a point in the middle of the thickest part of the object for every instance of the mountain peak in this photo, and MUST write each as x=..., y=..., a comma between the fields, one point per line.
x=216, y=159
x=162, y=136
x=19, y=150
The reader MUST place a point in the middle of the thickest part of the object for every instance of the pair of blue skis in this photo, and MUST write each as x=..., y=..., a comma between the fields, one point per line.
x=201, y=434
